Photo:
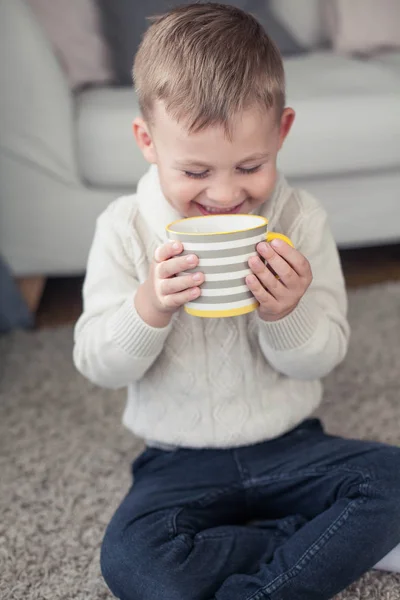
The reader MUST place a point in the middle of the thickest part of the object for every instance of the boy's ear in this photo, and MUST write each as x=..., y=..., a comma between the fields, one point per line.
x=144, y=140
x=285, y=125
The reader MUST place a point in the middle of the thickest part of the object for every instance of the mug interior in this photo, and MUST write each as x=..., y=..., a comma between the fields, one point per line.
x=214, y=224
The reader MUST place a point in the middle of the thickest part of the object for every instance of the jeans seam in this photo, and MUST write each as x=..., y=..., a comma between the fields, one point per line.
x=366, y=475
x=243, y=472
x=172, y=526
x=200, y=536
x=265, y=592
x=206, y=498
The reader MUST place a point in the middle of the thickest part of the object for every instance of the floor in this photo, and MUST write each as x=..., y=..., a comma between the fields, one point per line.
x=65, y=456
x=61, y=301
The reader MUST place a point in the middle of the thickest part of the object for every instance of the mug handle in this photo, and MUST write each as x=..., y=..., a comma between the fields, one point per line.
x=272, y=235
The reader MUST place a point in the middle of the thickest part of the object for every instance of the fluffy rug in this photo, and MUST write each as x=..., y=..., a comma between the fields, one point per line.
x=65, y=458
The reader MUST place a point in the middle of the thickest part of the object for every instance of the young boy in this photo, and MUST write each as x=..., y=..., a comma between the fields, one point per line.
x=239, y=494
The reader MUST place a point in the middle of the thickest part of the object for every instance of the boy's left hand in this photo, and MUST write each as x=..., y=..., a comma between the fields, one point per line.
x=278, y=297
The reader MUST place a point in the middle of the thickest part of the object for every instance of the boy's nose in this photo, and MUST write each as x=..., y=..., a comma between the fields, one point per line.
x=224, y=195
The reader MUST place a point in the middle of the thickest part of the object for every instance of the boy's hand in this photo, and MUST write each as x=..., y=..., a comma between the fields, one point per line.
x=278, y=297
x=164, y=293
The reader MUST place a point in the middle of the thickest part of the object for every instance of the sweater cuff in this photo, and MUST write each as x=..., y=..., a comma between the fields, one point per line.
x=133, y=335
x=294, y=330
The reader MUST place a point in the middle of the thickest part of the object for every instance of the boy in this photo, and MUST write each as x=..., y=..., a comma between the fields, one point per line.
x=239, y=495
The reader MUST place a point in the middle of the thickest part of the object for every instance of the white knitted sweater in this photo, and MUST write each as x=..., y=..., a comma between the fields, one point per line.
x=209, y=382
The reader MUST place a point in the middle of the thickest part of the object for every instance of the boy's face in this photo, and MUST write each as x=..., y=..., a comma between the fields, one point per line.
x=208, y=173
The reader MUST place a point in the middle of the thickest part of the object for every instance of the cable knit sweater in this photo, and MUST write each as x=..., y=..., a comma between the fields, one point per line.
x=209, y=382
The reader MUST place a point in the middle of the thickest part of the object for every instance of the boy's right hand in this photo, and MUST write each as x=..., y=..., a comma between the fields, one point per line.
x=163, y=293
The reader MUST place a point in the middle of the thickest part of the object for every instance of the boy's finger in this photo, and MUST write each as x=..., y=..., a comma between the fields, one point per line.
x=266, y=279
x=167, y=251
x=263, y=296
x=175, y=285
x=169, y=268
x=296, y=260
x=176, y=300
x=281, y=267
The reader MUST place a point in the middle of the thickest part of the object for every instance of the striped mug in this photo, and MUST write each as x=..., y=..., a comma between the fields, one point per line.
x=223, y=244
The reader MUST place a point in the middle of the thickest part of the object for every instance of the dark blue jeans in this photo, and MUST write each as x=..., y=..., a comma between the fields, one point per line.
x=296, y=518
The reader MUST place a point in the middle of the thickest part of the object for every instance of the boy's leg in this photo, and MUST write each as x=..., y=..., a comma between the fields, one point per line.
x=183, y=529
x=349, y=492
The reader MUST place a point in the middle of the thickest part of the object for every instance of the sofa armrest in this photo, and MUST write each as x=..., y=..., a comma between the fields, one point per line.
x=36, y=104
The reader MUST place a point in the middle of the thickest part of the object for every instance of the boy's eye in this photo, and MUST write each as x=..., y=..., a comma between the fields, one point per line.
x=196, y=175
x=205, y=173
x=249, y=171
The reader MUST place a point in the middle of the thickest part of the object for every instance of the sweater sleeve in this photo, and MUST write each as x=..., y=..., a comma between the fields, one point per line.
x=113, y=346
x=312, y=340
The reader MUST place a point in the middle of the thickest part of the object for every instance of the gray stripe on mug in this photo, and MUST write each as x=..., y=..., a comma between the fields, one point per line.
x=220, y=285
x=221, y=269
x=223, y=299
x=221, y=253
x=217, y=237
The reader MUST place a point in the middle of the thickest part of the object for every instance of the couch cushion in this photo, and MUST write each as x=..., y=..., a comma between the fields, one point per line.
x=348, y=117
x=125, y=22
x=390, y=59
x=304, y=19
x=107, y=152
x=73, y=28
x=363, y=26
x=348, y=120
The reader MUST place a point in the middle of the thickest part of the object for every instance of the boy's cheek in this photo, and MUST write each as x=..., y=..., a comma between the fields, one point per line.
x=185, y=191
x=265, y=182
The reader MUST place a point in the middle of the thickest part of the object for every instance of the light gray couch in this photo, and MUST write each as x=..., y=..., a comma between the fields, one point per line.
x=65, y=156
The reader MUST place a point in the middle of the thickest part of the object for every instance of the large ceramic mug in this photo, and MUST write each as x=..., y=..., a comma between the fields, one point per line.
x=223, y=244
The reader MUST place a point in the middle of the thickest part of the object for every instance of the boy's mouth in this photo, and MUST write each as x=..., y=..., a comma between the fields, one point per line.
x=211, y=210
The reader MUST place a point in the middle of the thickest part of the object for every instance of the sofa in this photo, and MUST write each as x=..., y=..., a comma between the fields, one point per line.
x=65, y=155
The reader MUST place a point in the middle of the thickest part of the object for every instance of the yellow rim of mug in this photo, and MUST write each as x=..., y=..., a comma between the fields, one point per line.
x=171, y=225
x=271, y=235
x=215, y=314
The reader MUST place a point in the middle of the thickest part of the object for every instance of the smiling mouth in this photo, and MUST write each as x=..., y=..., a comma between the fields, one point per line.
x=211, y=210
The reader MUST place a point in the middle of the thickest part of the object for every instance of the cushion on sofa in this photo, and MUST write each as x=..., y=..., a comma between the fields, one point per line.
x=107, y=153
x=363, y=26
x=125, y=21
x=304, y=19
x=347, y=121
x=391, y=60
x=73, y=28
x=347, y=116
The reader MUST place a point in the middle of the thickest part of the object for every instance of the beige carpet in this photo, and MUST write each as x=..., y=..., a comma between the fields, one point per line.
x=64, y=458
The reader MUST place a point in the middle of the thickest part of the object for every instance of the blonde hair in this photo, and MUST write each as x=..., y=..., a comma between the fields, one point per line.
x=208, y=62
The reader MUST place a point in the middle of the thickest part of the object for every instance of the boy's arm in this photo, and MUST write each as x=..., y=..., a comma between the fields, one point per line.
x=312, y=340
x=113, y=345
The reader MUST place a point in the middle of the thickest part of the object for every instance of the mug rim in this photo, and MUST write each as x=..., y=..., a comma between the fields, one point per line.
x=191, y=233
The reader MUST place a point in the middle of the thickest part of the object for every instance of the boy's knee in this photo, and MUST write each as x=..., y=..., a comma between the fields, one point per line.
x=125, y=568
x=113, y=567
x=134, y=568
